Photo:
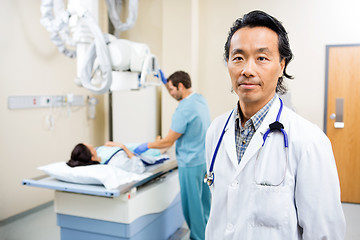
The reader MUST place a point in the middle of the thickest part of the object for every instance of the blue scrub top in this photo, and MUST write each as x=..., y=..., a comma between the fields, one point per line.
x=191, y=119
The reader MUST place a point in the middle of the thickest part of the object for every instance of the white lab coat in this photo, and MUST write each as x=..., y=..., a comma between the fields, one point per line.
x=305, y=206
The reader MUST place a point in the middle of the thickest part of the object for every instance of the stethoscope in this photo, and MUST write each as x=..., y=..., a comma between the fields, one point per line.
x=275, y=126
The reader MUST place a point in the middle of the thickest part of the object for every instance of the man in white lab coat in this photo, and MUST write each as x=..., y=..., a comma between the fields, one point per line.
x=289, y=188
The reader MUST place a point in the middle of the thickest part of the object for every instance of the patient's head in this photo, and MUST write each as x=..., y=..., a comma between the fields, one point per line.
x=83, y=155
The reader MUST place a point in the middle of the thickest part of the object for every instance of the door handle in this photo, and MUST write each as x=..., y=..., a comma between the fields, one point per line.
x=339, y=113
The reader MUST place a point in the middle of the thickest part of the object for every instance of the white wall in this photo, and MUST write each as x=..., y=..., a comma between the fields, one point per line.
x=31, y=65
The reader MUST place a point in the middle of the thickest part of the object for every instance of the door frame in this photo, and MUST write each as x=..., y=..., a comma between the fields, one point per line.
x=327, y=76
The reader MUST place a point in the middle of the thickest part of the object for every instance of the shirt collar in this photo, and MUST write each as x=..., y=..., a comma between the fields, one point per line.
x=257, y=119
x=190, y=95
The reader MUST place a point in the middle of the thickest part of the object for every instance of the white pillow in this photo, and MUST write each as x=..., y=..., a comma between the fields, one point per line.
x=109, y=176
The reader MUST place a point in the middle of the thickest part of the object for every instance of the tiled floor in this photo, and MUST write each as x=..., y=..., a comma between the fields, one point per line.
x=41, y=225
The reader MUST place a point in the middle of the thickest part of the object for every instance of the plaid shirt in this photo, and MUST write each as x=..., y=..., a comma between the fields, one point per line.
x=244, y=134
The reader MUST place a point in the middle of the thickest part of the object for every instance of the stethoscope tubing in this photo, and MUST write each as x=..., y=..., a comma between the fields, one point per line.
x=218, y=143
x=210, y=176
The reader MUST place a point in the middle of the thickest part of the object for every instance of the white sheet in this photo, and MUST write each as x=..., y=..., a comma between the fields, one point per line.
x=109, y=176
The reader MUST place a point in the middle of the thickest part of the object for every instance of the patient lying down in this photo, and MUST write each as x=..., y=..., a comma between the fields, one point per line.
x=114, y=154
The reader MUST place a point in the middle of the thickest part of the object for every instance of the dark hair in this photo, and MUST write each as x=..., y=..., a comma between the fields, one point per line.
x=180, y=77
x=261, y=19
x=80, y=156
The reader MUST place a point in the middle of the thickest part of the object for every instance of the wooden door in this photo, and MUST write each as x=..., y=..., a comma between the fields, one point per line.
x=343, y=88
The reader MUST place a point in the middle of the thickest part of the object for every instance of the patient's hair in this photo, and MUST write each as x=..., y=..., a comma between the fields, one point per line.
x=180, y=77
x=81, y=156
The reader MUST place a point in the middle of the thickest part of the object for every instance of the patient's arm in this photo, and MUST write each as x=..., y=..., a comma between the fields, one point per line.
x=115, y=144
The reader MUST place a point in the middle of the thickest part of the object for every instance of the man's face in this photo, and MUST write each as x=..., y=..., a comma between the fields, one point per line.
x=174, y=92
x=254, y=65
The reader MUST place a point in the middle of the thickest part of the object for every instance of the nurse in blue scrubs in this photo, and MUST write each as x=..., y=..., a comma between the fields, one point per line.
x=190, y=122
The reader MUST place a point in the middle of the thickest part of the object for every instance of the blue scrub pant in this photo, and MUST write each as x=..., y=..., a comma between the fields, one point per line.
x=195, y=199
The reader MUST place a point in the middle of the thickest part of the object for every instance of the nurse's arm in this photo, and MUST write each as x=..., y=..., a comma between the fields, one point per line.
x=165, y=142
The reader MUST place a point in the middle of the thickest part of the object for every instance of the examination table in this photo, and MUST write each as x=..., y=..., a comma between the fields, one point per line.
x=147, y=209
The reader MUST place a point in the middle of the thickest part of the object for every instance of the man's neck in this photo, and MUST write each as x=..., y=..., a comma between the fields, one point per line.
x=250, y=109
x=187, y=92
x=246, y=113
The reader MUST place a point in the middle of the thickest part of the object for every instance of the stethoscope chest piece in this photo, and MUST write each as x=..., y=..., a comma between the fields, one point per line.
x=209, y=178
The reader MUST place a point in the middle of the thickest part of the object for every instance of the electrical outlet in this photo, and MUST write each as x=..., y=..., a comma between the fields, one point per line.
x=45, y=101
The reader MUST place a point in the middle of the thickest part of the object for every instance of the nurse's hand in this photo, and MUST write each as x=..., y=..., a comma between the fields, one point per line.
x=141, y=148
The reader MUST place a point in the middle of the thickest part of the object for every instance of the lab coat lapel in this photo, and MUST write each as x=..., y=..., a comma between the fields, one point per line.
x=257, y=139
x=229, y=141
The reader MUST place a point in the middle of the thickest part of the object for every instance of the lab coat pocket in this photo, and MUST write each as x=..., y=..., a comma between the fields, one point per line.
x=271, y=206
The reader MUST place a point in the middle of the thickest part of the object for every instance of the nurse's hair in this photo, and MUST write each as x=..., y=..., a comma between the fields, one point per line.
x=81, y=156
x=180, y=77
x=261, y=19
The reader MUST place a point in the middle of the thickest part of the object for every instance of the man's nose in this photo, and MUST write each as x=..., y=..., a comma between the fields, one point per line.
x=248, y=68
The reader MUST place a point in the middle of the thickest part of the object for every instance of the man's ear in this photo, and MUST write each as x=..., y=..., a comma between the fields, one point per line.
x=282, y=66
x=181, y=86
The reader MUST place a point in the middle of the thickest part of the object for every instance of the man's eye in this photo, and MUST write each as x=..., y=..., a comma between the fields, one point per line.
x=237, y=58
x=262, y=58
